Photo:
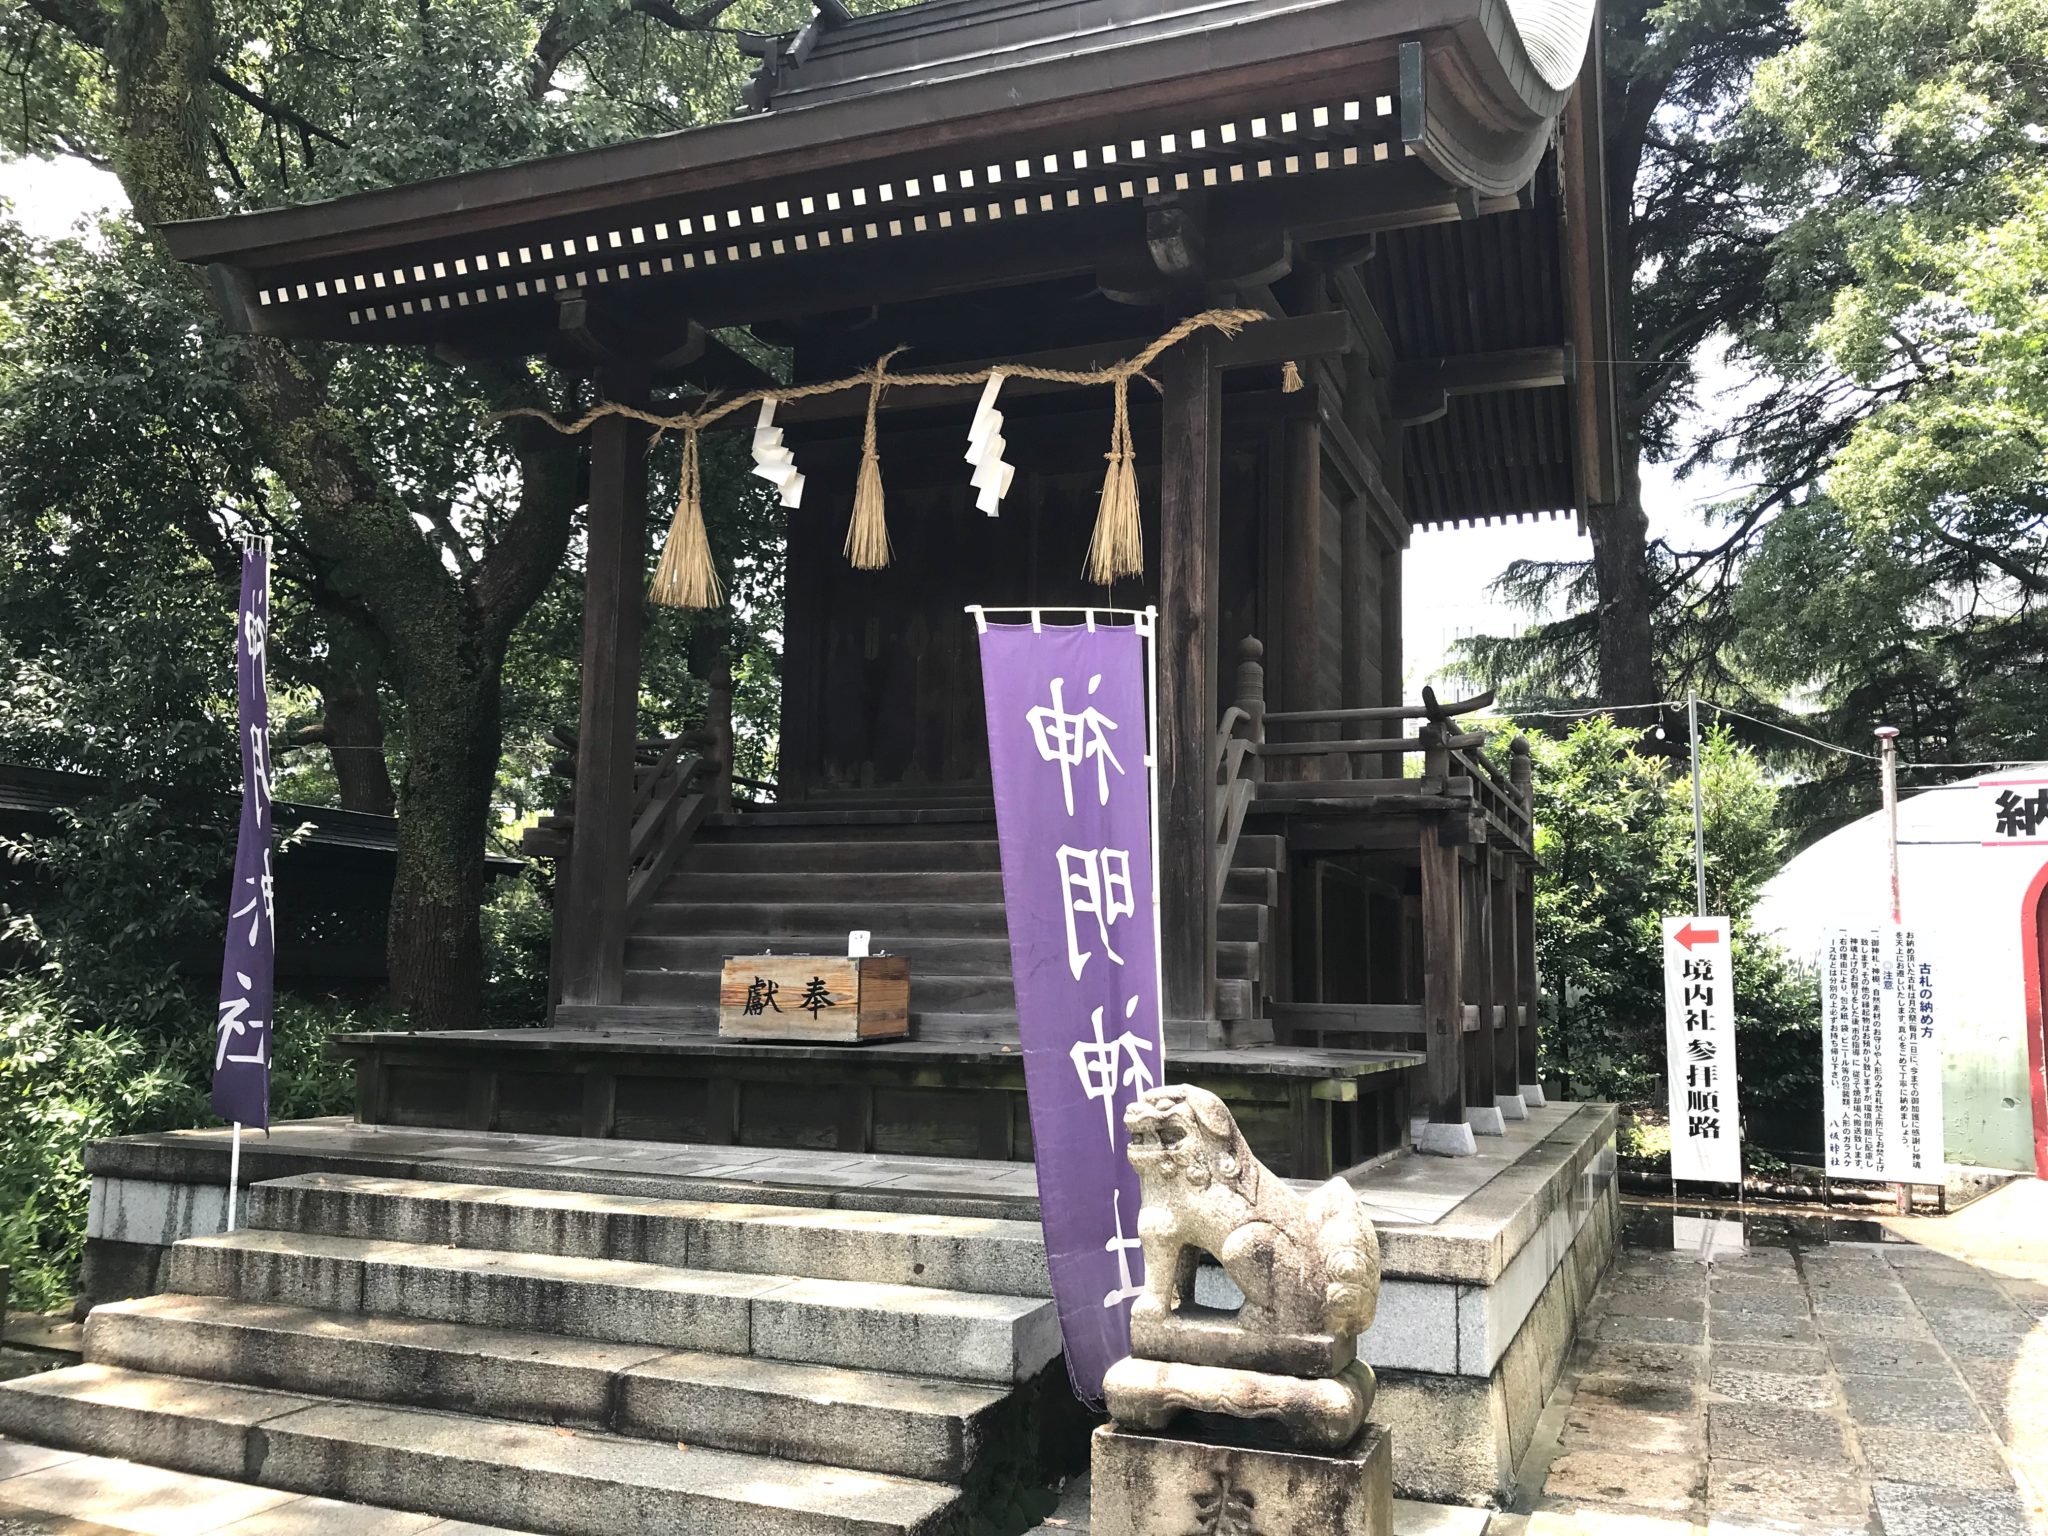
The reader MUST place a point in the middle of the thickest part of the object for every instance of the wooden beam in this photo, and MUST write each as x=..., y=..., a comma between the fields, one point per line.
x=1351, y=1018
x=1443, y=963
x=1423, y=387
x=1190, y=512
x=614, y=588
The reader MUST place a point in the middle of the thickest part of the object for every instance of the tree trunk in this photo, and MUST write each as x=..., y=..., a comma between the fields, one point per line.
x=355, y=739
x=435, y=948
x=1621, y=570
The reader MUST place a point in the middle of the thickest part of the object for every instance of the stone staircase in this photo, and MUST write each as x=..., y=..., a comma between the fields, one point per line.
x=579, y=1364
x=925, y=884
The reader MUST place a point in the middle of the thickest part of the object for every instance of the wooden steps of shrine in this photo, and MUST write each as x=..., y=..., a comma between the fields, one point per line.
x=934, y=955
x=576, y=1363
x=925, y=884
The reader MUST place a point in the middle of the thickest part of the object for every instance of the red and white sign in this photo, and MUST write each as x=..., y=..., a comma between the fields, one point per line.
x=1699, y=1043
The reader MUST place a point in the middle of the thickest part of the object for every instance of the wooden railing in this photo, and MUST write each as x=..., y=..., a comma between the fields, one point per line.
x=676, y=784
x=1234, y=765
x=1454, y=763
x=670, y=803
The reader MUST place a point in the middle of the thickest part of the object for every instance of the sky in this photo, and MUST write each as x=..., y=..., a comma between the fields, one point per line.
x=1448, y=572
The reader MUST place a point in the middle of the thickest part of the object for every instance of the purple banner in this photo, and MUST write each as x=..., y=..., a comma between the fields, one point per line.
x=1066, y=737
x=242, y=1051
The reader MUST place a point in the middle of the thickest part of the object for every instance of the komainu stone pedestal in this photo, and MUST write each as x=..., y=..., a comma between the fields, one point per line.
x=1159, y=1485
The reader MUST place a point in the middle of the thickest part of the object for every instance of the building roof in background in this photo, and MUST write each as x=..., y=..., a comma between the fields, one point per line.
x=1843, y=880
x=31, y=797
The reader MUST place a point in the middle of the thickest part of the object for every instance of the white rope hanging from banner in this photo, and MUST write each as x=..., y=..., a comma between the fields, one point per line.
x=686, y=576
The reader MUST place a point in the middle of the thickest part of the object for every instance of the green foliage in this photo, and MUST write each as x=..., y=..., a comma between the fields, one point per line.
x=1915, y=263
x=518, y=929
x=1614, y=836
x=100, y=1033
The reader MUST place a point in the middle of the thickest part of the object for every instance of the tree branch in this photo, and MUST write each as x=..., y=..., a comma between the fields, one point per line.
x=562, y=35
x=276, y=111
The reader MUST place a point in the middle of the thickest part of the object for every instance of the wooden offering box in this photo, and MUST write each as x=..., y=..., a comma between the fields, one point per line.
x=814, y=998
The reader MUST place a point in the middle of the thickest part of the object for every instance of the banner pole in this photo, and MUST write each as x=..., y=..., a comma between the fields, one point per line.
x=1148, y=626
x=234, y=1172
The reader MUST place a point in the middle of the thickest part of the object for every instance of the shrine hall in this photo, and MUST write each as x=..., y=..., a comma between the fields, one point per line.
x=1409, y=198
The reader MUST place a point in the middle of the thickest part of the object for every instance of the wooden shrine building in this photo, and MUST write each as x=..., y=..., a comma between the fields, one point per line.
x=1410, y=193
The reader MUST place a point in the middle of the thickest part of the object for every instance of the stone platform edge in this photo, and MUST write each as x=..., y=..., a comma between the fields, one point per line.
x=1476, y=1241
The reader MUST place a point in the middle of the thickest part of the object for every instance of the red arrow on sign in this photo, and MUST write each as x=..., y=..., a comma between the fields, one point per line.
x=1689, y=936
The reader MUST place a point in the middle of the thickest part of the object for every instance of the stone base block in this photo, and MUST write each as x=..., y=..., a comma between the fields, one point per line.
x=1512, y=1106
x=1439, y=1139
x=1316, y=1414
x=1486, y=1122
x=1155, y=1485
x=1532, y=1095
x=1205, y=1336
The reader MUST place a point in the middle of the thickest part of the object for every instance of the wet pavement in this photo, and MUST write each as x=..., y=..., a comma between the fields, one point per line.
x=1817, y=1388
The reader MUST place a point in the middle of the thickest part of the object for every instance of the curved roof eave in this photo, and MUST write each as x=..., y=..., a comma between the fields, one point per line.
x=1509, y=56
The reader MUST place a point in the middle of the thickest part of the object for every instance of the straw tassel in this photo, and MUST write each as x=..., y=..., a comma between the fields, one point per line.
x=686, y=578
x=1118, y=546
x=1290, y=378
x=867, y=535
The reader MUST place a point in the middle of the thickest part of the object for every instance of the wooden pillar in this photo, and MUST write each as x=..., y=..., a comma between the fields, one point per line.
x=1506, y=927
x=1521, y=772
x=1443, y=974
x=614, y=588
x=1529, y=1068
x=1393, y=681
x=1482, y=1043
x=1356, y=558
x=1443, y=1000
x=1301, y=579
x=1190, y=472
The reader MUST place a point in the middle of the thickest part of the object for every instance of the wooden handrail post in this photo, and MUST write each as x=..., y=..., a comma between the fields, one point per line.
x=1251, y=698
x=1436, y=756
x=1521, y=770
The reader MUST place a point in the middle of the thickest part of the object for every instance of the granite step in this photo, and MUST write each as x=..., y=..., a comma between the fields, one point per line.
x=871, y=1421
x=75, y=1494
x=1001, y=1258
x=859, y=1324
x=554, y=1480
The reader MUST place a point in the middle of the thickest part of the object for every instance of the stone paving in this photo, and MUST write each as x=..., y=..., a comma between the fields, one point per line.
x=1845, y=1388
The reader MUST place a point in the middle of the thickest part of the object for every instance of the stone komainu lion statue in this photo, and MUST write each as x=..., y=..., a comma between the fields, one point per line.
x=1306, y=1265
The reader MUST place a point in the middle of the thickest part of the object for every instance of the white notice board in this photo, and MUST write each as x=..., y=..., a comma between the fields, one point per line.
x=1699, y=1045
x=1880, y=1057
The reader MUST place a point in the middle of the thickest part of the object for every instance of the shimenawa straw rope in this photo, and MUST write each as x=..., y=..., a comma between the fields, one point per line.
x=686, y=576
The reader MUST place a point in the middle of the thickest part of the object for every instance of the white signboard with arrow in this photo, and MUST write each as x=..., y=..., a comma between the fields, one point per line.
x=1699, y=1034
